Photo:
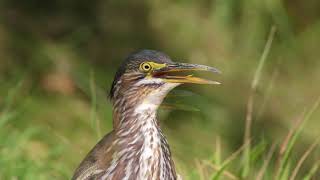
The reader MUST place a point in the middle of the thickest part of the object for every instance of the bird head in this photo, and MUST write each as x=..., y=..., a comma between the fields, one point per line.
x=153, y=74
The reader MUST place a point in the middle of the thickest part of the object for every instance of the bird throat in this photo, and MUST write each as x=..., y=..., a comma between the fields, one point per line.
x=141, y=147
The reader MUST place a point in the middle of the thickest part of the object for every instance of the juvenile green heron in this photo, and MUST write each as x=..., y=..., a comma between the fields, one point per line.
x=136, y=149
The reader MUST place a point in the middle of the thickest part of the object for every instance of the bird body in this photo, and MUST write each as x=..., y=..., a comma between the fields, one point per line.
x=136, y=149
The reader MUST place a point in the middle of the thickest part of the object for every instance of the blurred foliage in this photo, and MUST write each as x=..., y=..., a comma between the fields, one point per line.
x=52, y=54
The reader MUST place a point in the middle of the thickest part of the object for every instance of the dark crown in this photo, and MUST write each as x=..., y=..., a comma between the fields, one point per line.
x=133, y=61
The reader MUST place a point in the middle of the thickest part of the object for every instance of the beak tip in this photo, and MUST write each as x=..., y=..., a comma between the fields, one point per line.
x=215, y=70
x=215, y=82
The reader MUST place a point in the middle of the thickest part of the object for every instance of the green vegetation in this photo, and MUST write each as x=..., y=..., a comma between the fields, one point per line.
x=57, y=61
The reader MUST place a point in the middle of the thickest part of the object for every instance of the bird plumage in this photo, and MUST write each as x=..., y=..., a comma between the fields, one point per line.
x=137, y=149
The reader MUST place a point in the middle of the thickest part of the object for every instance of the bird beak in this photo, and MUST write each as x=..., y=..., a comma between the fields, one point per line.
x=166, y=73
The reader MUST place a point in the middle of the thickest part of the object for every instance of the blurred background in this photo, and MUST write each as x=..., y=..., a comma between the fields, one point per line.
x=58, y=59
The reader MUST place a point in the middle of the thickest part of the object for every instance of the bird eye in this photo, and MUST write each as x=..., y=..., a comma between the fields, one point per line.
x=145, y=67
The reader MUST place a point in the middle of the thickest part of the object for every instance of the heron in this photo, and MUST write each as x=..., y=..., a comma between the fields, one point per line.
x=136, y=148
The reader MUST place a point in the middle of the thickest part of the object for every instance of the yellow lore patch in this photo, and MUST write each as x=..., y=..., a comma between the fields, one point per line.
x=149, y=66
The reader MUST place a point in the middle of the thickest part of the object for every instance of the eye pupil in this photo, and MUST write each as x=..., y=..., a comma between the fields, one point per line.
x=145, y=67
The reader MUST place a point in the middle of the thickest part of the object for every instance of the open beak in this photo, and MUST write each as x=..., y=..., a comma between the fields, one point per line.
x=166, y=73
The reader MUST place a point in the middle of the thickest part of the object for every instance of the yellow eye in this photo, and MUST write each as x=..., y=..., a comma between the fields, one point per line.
x=145, y=67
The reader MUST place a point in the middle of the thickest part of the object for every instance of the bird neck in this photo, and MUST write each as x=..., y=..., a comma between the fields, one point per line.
x=137, y=101
x=140, y=138
x=135, y=113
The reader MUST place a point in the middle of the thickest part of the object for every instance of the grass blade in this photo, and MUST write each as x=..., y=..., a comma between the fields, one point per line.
x=225, y=164
x=217, y=155
x=12, y=93
x=255, y=81
x=302, y=159
x=226, y=173
x=93, y=114
x=266, y=163
x=284, y=160
x=312, y=171
x=200, y=169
